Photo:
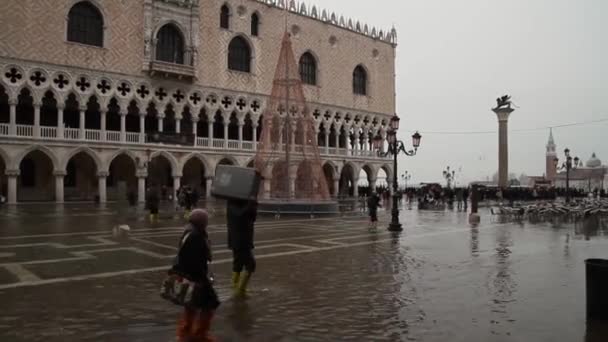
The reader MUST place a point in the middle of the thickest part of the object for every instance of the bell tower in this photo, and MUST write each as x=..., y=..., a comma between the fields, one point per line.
x=551, y=171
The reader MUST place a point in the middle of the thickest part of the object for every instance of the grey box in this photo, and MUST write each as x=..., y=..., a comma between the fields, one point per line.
x=234, y=182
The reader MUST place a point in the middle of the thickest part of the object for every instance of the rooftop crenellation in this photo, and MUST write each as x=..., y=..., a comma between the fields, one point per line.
x=314, y=12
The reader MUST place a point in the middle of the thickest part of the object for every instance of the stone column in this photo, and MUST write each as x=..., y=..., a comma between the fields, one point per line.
x=141, y=186
x=255, y=136
x=160, y=124
x=241, y=134
x=292, y=186
x=37, y=105
x=12, y=130
x=59, y=175
x=103, y=112
x=209, y=181
x=503, y=145
x=210, y=132
x=142, y=128
x=81, y=122
x=123, y=127
x=337, y=139
x=372, y=184
x=326, y=141
x=356, y=144
x=60, y=108
x=101, y=186
x=176, y=185
x=266, y=187
x=226, y=123
x=178, y=125
x=12, y=186
x=336, y=187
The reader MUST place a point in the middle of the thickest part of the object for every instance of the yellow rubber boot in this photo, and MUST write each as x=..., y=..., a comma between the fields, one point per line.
x=241, y=290
x=235, y=280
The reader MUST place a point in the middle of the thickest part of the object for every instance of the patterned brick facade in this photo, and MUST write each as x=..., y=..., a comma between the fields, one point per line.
x=35, y=30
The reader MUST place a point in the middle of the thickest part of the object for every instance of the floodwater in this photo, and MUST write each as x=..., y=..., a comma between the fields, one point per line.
x=327, y=279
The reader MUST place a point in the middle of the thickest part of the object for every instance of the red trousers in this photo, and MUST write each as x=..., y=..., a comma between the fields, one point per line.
x=194, y=326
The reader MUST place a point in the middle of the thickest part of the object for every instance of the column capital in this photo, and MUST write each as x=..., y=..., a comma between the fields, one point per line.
x=37, y=103
x=13, y=101
x=59, y=173
x=141, y=174
x=12, y=173
x=82, y=107
x=60, y=105
x=103, y=174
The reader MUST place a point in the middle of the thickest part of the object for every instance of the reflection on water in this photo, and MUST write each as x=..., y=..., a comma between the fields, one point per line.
x=591, y=226
x=474, y=242
x=502, y=286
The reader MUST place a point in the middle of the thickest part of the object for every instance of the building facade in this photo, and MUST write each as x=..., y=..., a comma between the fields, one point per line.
x=101, y=98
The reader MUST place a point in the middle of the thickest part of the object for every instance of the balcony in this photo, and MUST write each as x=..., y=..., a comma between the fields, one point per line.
x=172, y=70
x=50, y=134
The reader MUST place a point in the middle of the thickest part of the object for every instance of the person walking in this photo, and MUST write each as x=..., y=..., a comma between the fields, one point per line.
x=153, y=202
x=241, y=216
x=373, y=203
x=191, y=263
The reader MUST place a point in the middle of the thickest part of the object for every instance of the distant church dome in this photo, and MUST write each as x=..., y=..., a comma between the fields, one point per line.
x=593, y=162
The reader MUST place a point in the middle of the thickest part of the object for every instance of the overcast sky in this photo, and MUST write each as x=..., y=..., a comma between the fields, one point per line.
x=455, y=57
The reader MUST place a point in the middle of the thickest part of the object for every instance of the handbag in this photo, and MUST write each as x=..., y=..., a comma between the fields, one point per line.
x=178, y=290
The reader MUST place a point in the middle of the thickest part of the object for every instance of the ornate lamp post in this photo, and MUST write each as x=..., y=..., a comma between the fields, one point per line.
x=394, y=148
x=569, y=164
x=406, y=177
x=449, y=176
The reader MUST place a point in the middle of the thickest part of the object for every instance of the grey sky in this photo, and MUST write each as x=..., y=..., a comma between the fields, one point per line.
x=455, y=57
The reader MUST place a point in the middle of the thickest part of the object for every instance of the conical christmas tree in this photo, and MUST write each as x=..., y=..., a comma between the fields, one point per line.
x=288, y=155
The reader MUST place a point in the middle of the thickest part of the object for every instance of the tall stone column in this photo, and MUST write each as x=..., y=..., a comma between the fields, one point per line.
x=226, y=123
x=12, y=130
x=12, y=186
x=326, y=141
x=356, y=144
x=503, y=114
x=59, y=175
x=37, y=105
x=101, y=186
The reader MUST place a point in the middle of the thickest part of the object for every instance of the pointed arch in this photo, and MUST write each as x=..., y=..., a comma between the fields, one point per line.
x=47, y=151
x=239, y=54
x=201, y=158
x=86, y=150
x=128, y=153
x=175, y=170
x=360, y=80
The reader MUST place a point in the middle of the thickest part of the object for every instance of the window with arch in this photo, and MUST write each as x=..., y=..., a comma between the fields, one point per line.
x=239, y=55
x=225, y=17
x=360, y=80
x=170, y=45
x=85, y=24
x=308, y=69
x=255, y=24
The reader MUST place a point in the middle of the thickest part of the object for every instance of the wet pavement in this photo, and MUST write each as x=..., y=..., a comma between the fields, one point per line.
x=65, y=277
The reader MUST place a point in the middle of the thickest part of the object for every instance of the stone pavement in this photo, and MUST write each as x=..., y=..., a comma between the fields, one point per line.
x=65, y=277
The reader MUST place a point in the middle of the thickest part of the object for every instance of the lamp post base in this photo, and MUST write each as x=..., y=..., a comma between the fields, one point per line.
x=395, y=227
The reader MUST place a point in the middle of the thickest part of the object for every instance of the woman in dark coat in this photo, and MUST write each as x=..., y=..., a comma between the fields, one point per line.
x=153, y=202
x=241, y=216
x=192, y=263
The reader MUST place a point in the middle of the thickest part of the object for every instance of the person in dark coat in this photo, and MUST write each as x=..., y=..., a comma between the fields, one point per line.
x=241, y=216
x=373, y=203
x=153, y=202
x=192, y=264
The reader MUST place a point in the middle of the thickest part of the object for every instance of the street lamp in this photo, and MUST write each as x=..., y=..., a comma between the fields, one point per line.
x=569, y=164
x=449, y=175
x=394, y=148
